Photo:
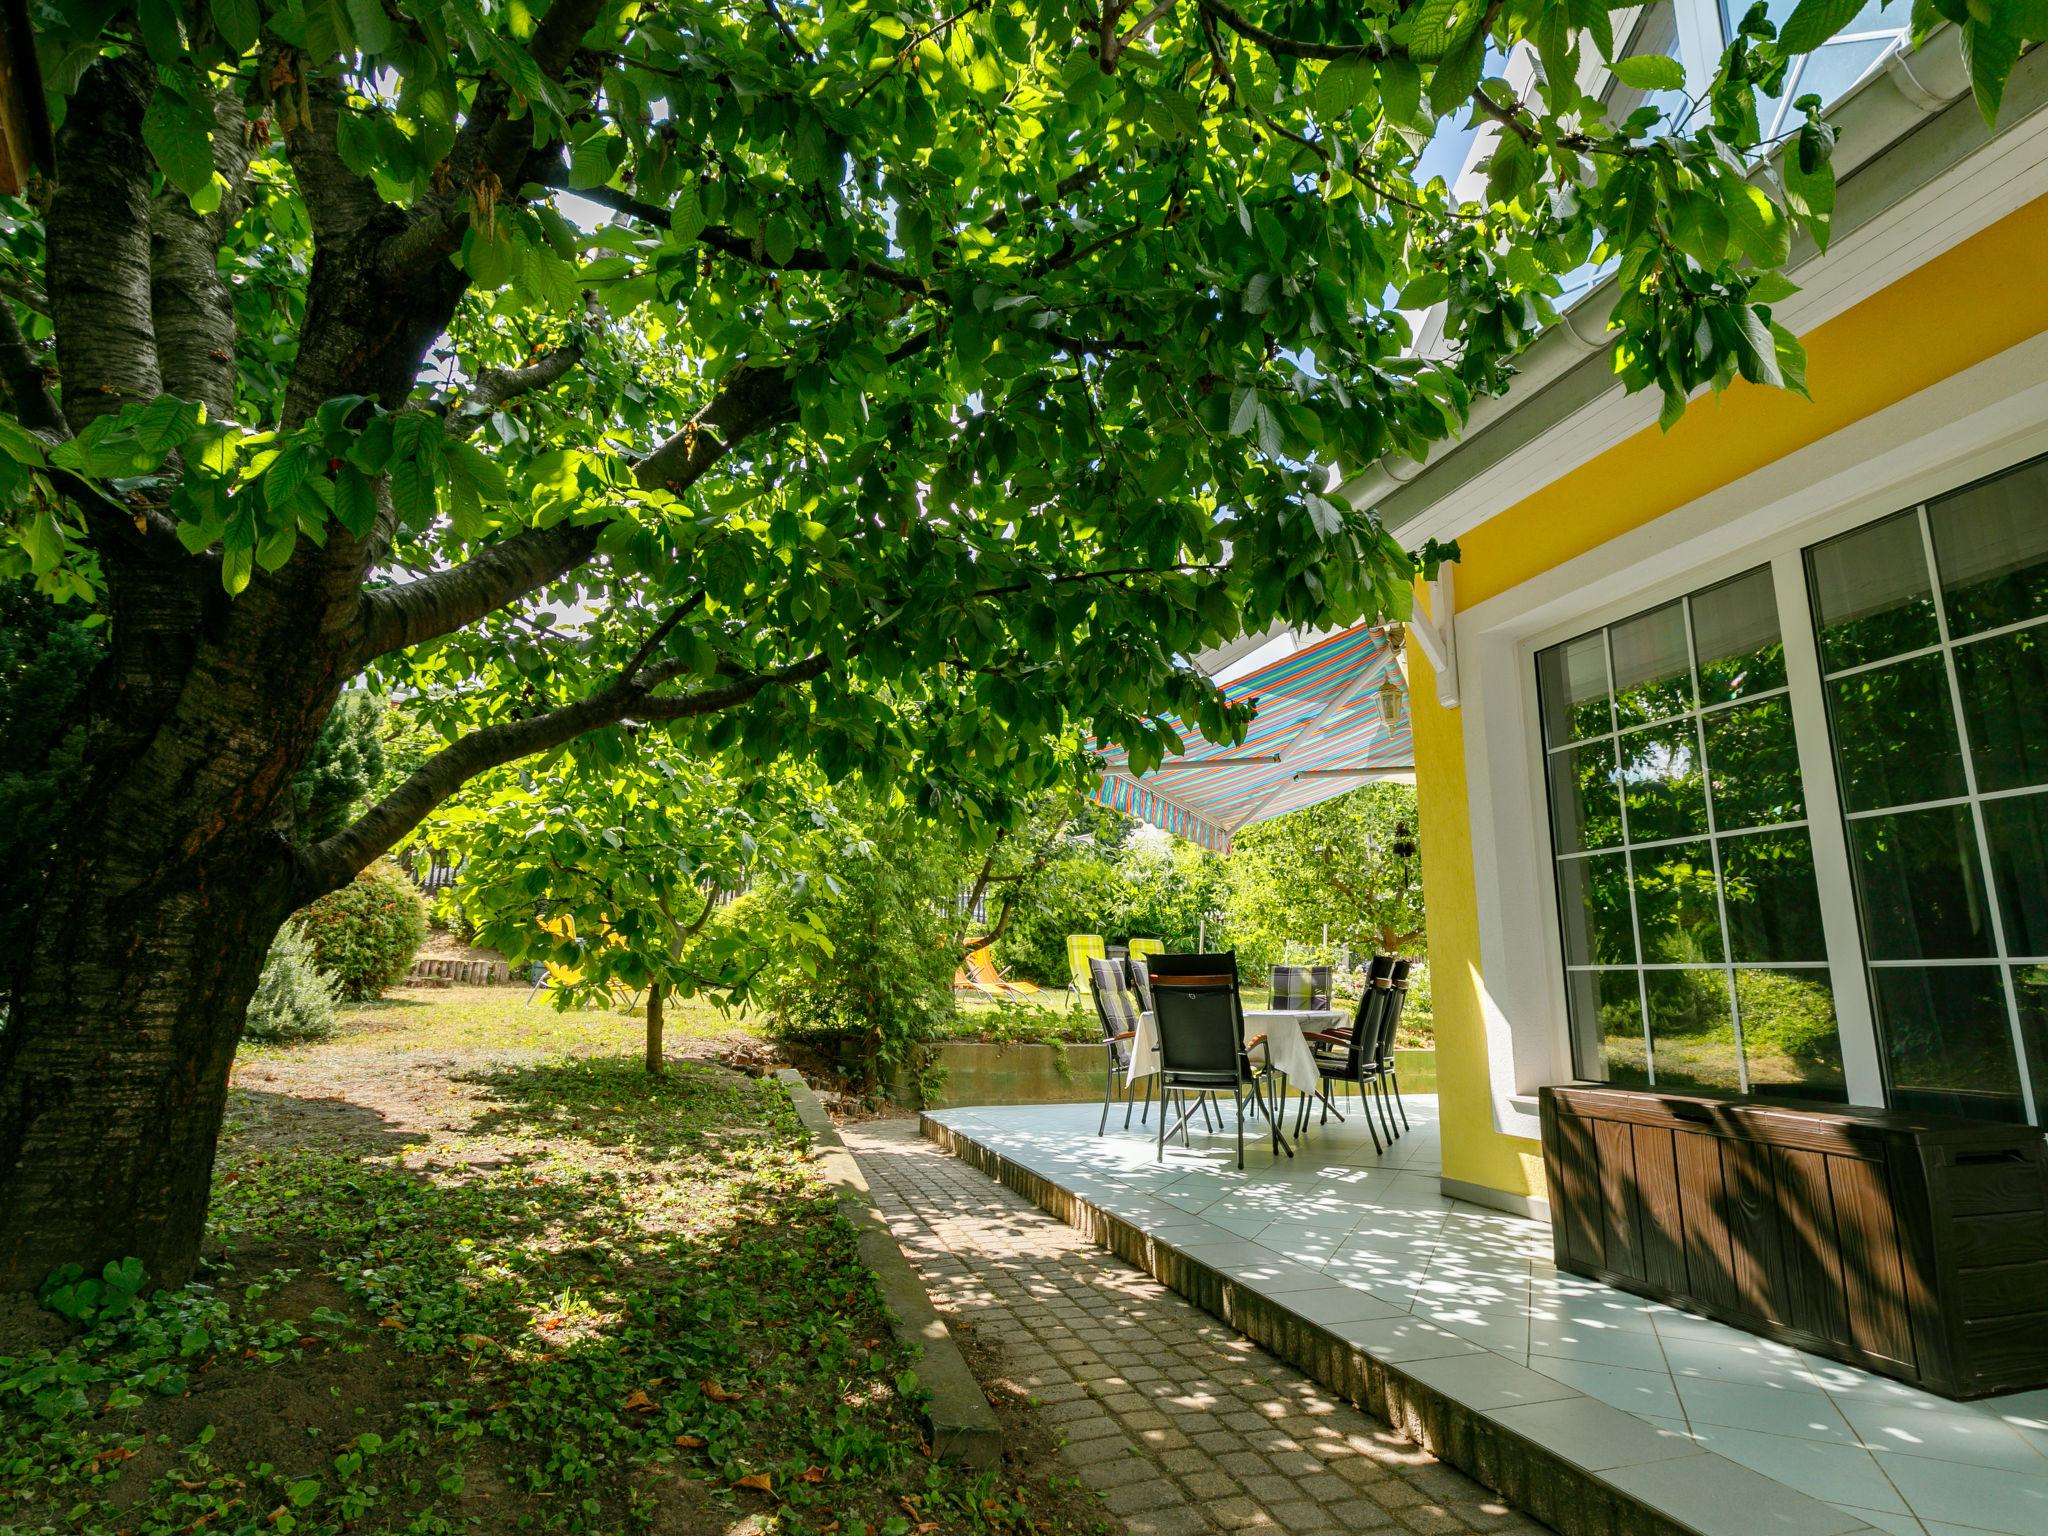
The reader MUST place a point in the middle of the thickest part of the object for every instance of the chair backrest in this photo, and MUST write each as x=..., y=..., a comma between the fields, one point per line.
x=1364, y=1044
x=1138, y=947
x=981, y=965
x=1081, y=948
x=1195, y=1006
x=1141, y=977
x=1390, y=1014
x=1114, y=1006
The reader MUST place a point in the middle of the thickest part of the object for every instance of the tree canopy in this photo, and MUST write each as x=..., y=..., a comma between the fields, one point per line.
x=907, y=388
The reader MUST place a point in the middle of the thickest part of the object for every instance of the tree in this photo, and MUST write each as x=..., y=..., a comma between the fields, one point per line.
x=46, y=662
x=615, y=878
x=945, y=375
x=347, y=759
x=1349, y=867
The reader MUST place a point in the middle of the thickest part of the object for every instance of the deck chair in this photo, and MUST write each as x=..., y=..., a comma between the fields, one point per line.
x=978, y=974
x=1081, y=948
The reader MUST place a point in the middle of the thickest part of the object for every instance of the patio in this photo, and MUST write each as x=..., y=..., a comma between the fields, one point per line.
x=1356, y=1265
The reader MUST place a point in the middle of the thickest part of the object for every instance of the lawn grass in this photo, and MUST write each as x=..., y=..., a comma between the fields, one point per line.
x=472, y=1269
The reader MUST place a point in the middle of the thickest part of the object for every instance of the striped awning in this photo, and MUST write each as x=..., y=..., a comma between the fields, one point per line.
x=1330, y=716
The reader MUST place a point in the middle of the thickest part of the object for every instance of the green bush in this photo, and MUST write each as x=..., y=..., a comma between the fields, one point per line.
x=293, y=1000
x=366, y=934
x=888, y=975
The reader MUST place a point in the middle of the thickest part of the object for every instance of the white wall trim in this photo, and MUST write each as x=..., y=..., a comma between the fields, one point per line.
x=1972, y=424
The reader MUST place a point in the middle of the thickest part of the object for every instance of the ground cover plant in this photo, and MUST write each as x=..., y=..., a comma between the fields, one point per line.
x=471, y=1268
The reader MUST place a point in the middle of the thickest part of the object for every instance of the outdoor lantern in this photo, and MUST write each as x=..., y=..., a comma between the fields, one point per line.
x=1393, y=701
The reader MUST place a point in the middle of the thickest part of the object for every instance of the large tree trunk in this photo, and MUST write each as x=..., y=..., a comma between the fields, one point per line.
x=115, y=1059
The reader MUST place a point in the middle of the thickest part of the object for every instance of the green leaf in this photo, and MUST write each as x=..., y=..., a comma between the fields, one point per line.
x=1342, y=86
x=1400, y=89
x=1813, y=22
x=1457, y=75
x=236, y=567
x=1244, y=411
x=778, y=239
x=355, y=500
x=374, y=32
x=238, y=23
x=180, y=136
x=1990, y=56
x=686, y=216
x=1650, y=72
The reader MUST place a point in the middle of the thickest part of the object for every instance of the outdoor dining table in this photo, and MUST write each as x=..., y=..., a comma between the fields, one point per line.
x=1283, y=1028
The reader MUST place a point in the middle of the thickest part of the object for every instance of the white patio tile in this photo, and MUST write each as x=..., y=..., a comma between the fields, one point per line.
x=1839, y=1474
x=1774, y=1410
x=1949, y=1432
x=1985, y=1498
x=1649, y=1395
x=1370, y=1248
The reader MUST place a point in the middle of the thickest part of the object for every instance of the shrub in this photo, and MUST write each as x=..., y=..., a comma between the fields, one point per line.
x=366, y=934
x=293, y=1000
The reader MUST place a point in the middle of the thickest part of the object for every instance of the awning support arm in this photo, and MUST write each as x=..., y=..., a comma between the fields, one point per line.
x=1437, y=633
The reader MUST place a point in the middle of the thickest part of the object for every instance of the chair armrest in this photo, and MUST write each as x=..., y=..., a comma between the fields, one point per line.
x=1129, y=1034
x=1334, y=1039
x=1255, y=1040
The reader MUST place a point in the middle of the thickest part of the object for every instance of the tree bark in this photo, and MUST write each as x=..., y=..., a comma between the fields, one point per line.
x=656, y=1009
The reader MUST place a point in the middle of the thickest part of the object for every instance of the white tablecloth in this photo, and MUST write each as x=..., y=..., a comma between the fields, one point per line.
x=1282, y=1027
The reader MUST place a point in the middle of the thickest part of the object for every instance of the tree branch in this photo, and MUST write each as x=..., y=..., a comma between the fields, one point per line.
x=97, y=266
x=723, y=240
x=22, y=373
x=751, y=400
x=496, y=386
x=332, y=863
x=192, y=309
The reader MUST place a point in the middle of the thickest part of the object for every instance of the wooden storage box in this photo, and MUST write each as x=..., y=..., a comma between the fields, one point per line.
x=1912, y=1245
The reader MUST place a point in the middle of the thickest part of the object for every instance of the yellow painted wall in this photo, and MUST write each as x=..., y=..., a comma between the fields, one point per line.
x=1966, y=305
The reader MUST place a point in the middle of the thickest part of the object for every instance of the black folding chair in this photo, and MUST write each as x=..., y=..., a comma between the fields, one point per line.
x=1390, y=1074
x=1118, y=1012
x=1349, y=1053
x=1202, y=1048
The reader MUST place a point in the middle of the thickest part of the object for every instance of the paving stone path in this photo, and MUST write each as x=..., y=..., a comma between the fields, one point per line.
x=1182, y=1424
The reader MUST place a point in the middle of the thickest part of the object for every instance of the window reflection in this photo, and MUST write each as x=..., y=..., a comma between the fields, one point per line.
x=1669, y=735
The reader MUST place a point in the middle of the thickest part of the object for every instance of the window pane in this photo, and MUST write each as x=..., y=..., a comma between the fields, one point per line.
x=1772, y=898
x=1753, y=761
x=1660, y=776
x=2030, y=991
x=1832, y=69
x=1870, y=593
x=1585, y=803
x=1676, y=904
x=2017, y=831
x=1572, y=682
x=1991, y=545
x=1607, y=1027
x=1652, y=670
x=1692, y=1031
x=1790, y=1041
x=1921, y=885
x=2004, y=683
x=1948, y=1041
x=1592, y=898
x=1895, y=735
x=1735, y=630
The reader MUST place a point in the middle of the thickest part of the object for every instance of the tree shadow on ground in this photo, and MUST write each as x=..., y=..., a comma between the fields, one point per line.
x=615, y=1104
x=265, y=1121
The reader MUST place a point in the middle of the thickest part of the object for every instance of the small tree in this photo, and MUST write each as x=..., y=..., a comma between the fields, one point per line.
x=615, y=878
x=1349, y=866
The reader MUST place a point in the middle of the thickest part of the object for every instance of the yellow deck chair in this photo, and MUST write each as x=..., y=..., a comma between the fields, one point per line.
x=1081, y=948
x=978, y=974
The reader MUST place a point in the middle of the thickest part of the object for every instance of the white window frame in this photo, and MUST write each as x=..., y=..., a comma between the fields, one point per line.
x=1975, y=423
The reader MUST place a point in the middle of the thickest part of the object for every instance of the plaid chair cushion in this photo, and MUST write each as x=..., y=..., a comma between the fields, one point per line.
x=1303, y=986
x=1114, y=1005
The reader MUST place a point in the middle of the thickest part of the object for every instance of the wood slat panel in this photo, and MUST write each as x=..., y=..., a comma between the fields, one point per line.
x=2002, y=1351
x=1577, y=1210
x=1614, y=1154
x=1750, y=1183
x=1981, y=1240
x=1992, y=1186
x=1873, y=1279
x=2004, y=1290
x=1662, y=1228
x=1703, y=1209
x=1807, y=1238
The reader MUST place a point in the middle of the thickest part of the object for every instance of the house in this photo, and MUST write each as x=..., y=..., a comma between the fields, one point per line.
x=1732, y=740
